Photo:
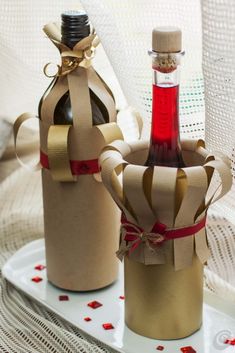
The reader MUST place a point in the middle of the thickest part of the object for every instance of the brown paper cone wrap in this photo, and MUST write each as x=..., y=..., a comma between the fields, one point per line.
x=163, y=283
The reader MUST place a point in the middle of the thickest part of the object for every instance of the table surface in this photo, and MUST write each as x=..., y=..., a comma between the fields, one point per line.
x=218, y=317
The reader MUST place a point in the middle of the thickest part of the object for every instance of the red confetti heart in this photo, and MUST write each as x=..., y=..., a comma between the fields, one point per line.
x=39, y=267
x=87, y=318
x=63, y=298
x=122, y=297
x=94, y=304
x=108, y=326
x=230, y=341
x=188, y=349
x=36, y=279
x=159, y=348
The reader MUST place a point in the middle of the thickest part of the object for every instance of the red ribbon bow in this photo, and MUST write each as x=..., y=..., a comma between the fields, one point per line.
x=133, y=235
x=136, y=235
x=152, y=239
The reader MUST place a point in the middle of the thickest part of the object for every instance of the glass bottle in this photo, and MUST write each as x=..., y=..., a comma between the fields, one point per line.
x=74, y=27
x=165, y=148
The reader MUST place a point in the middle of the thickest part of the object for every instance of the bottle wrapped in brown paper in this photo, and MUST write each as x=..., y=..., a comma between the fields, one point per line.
x=82, y=223
x=81, y=220
x=163, y=236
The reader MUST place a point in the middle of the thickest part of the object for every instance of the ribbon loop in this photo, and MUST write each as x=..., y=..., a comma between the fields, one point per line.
x=16, y=127
x=58, y=153
x=47, y=74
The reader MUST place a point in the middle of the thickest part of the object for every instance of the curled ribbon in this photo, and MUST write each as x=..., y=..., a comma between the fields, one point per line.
x=81, y=55
x=132, y=235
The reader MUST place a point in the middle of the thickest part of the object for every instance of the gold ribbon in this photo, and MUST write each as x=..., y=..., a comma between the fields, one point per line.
x=81, y=55
x=57, y=149
x=58, y=155
x=16, y=127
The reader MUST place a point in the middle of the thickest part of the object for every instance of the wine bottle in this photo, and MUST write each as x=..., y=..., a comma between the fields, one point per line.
x=74, y=27
x=165, y=148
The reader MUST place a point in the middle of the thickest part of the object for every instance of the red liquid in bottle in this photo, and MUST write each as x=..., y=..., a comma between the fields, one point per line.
x=164, y=147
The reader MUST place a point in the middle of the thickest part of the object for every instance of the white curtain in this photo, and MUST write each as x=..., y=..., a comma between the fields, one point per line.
x=125, y=28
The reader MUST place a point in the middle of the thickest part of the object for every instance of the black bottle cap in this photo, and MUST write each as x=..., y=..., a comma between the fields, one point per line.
x=74, y=27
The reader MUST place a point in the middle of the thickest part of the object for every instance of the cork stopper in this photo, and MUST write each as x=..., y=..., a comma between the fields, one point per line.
x=166, y=40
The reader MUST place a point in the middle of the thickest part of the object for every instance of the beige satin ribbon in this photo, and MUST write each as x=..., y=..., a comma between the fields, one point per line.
x=97, y=85
x=16, y=127
x=195, y=191
x=52, y=98
x=58, y=155
x=57, y=149
x=110, y=132
x=134, y=178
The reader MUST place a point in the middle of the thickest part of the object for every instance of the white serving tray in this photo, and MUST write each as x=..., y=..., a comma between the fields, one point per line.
x=218, y=323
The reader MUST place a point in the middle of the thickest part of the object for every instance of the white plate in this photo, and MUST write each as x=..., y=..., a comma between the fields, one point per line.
x=218, y=323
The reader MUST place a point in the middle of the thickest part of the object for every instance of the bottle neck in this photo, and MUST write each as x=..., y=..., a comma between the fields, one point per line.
x=74, y=27
x=165, y=107
x=165, y=140
x=166, y=79
x=165, y=99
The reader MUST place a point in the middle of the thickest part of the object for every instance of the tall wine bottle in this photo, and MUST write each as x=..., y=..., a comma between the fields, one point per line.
x=74, y=27
x=165, y=148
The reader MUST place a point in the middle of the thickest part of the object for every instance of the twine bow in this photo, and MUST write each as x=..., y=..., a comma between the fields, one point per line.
x=132, y=236
x=81, y=55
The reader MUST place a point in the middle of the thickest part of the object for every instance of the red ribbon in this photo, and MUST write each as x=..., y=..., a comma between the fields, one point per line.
x=77, y=167
x=159, y=232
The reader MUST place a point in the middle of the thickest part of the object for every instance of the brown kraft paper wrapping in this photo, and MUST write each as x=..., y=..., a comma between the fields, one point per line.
x=81, y=232
x=81, y=220
x=164, y=284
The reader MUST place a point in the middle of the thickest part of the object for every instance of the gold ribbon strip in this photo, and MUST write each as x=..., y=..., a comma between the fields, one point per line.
x=81, y=55
x=110, y=132
x=58, y=156
x=16, y=127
